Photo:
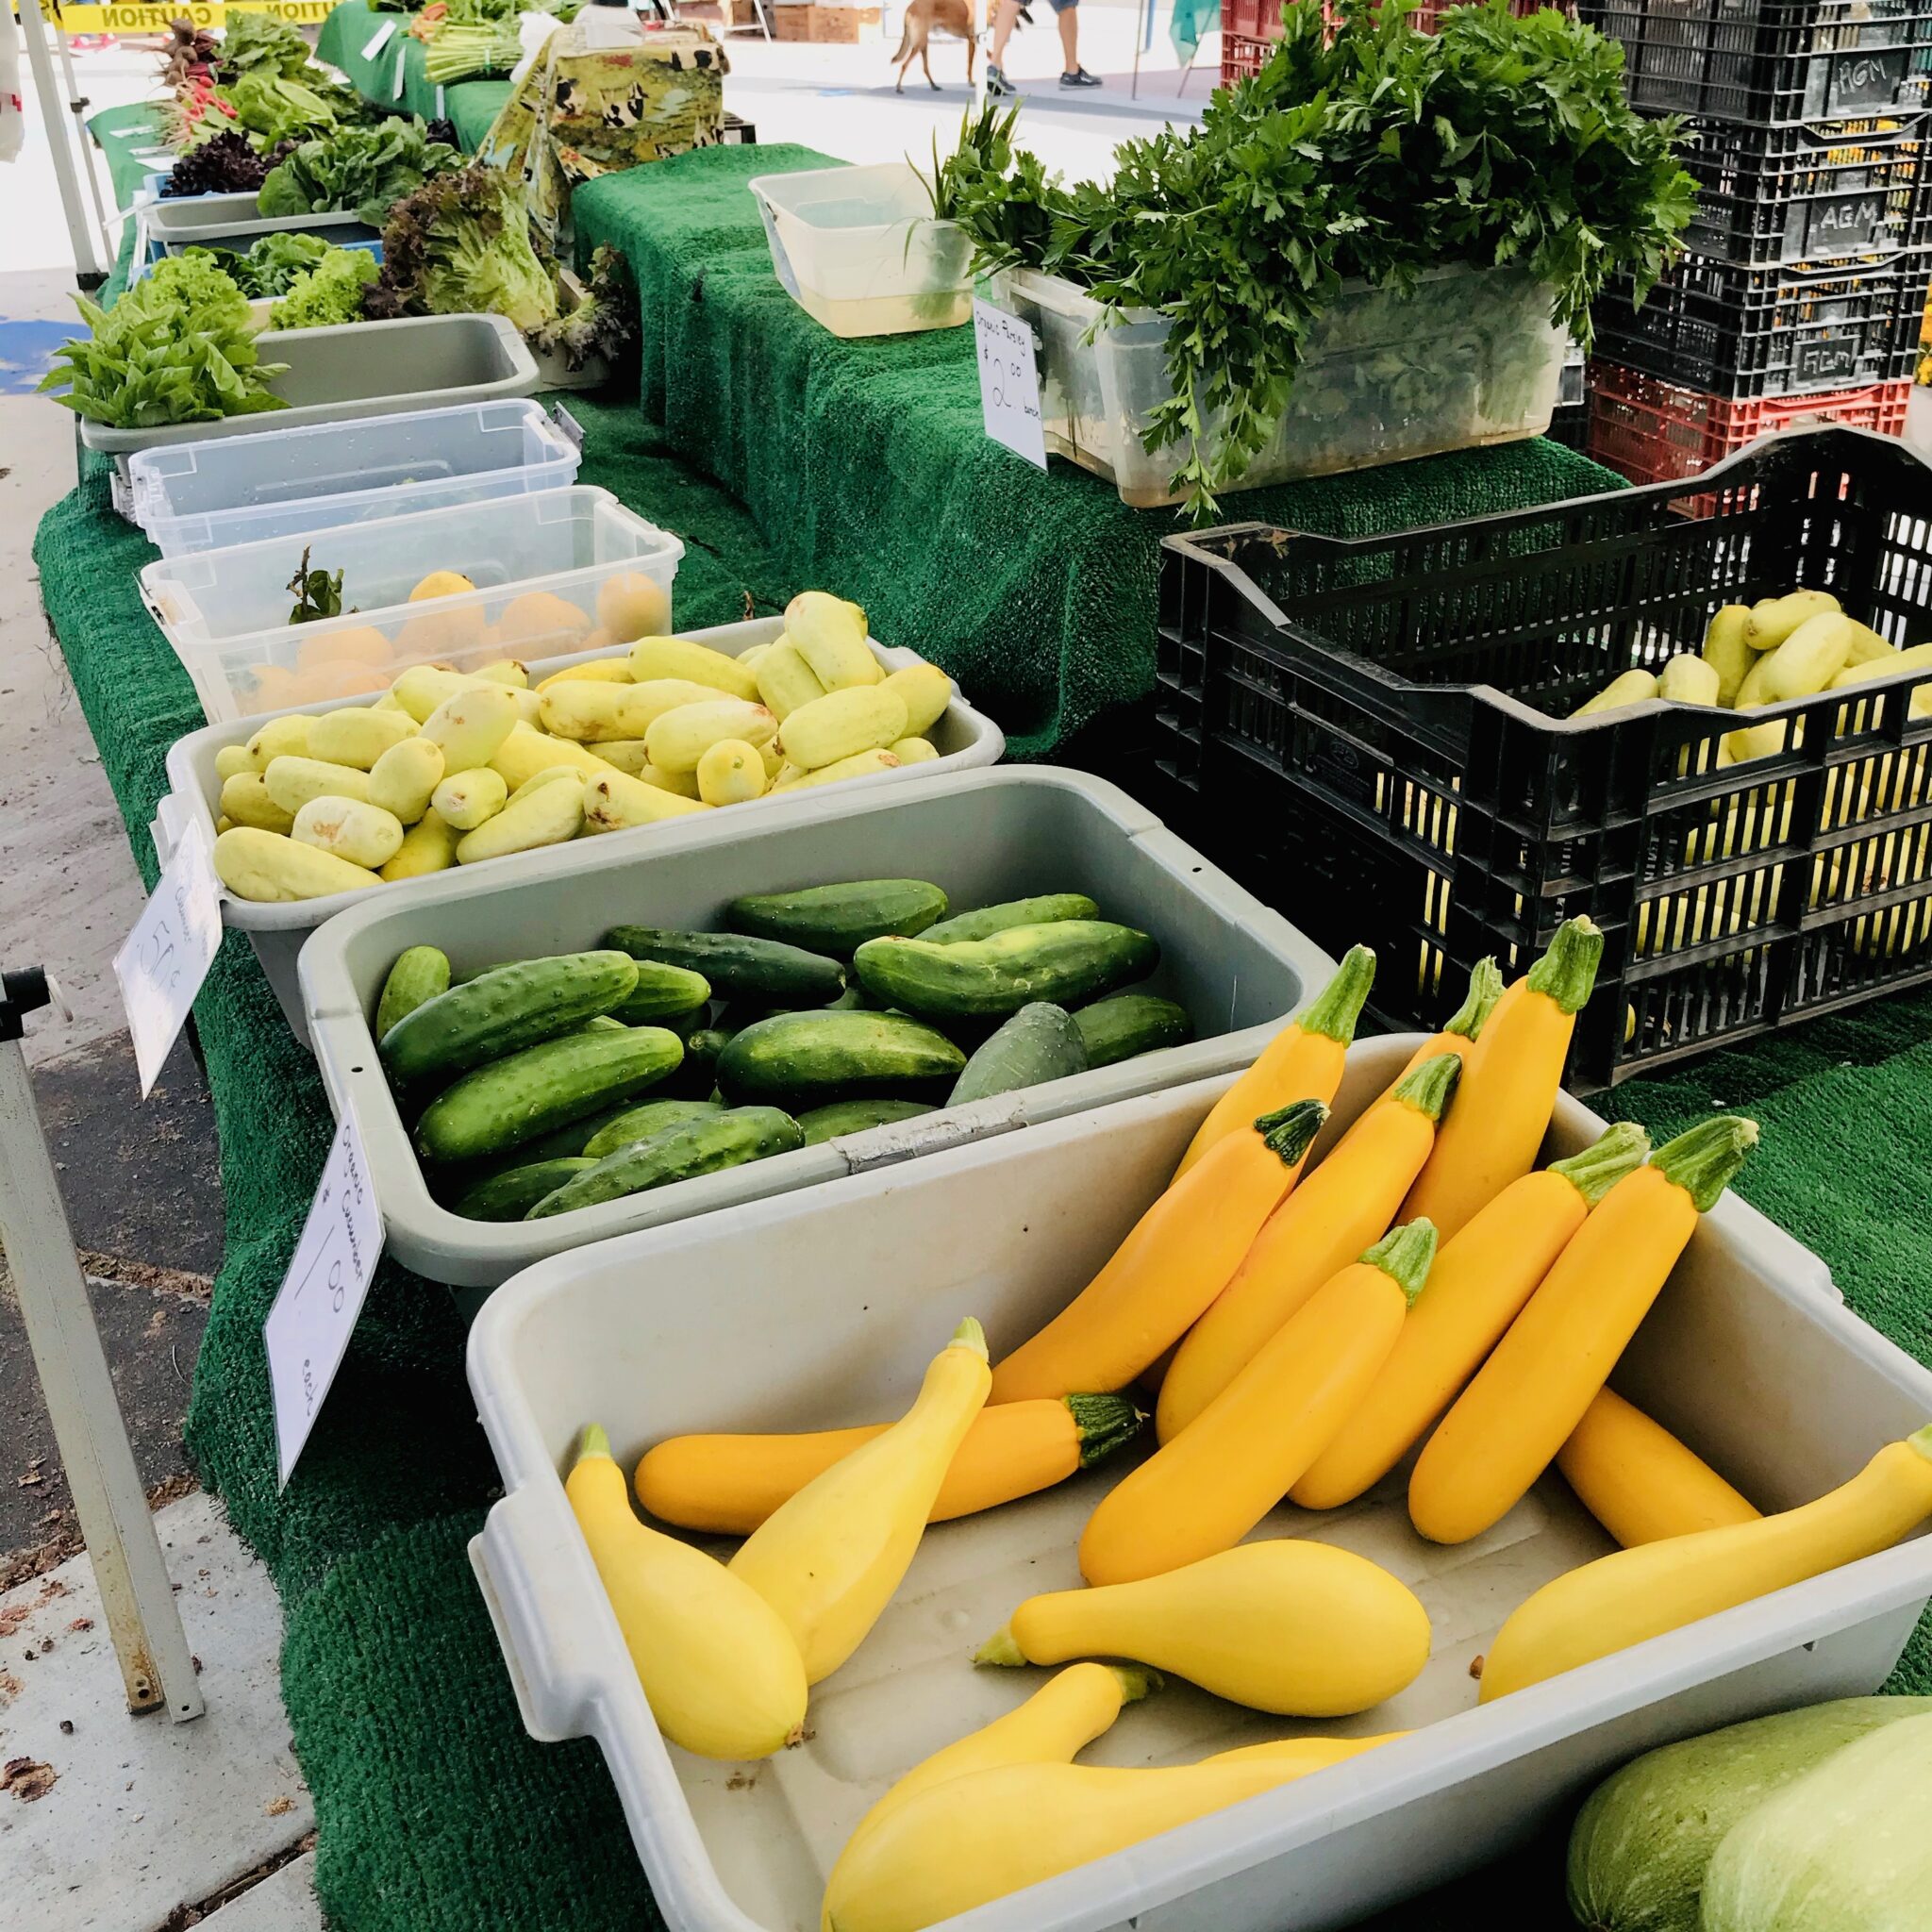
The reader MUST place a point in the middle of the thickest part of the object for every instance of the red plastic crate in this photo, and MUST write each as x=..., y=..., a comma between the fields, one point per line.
x=1240, y=57
x=1655, y=432
x=1260, y=20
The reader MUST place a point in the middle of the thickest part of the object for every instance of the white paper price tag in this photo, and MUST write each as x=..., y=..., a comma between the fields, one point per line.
x=440, y=101
x=310, y=1326
x=395, y=86
x=163, y=962
x=379, y=40
x=1008, y=382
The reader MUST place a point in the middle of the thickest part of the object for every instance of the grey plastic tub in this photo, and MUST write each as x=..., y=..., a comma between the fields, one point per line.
x=220, y=221
x=983, y=836
x=361, y=369
x=820, y=1310
x=965, y=740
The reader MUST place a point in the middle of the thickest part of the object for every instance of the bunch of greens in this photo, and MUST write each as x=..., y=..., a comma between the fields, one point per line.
x=269, y=265
x=1376, y=154
x=194, y=114
x=328, y=294
x=259, y=43
x=226, y=164
x=604, y=323
x=177, y=347
x=367, y=169
x=456, y=51
x=480, y=12
x=274, y=110
x=461, y=244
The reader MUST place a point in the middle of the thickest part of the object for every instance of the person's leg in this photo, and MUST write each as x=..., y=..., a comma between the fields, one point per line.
x=1005, y=15
x=1069, y=20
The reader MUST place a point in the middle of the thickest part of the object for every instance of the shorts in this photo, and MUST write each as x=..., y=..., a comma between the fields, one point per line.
x=1063, y=6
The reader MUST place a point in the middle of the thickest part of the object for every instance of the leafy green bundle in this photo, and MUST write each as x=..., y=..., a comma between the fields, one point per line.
x=605, y=322
x=269, y=265
x=1376, y=154
x=177, y=347
x=461, y=244
x=367, y=169
x=328, y=294
x=259, y=43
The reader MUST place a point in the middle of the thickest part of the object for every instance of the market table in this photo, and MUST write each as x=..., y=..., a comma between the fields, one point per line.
x=435, y=1812
x=127, y=136
x=351, y=26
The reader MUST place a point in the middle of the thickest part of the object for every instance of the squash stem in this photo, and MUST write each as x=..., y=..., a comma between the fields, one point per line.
x=1920, y=1439
x=999, y=1652
x=1404, y=1254
x=1620, y=1150
x=1485, y=990
x=1137, y=1681
x=594, y=1441
x=969, y=1334
x=1704, y=1159
x=1427, y=1089
x=1291, y=1133
x=1103, y=1424
x=1337, y=1007
x=1568, y=971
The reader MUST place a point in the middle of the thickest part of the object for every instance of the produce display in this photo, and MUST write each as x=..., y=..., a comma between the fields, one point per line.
x=524, y=1082
x=449, y=768
x=1792, y=646
x=269, y=265
x=367, y=169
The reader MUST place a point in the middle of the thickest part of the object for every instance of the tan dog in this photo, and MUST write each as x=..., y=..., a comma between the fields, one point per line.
x=922, y=16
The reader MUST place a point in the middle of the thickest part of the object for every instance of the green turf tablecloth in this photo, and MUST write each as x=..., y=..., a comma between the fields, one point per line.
x=350, y=28
x=436, y=1813
x=122, y=134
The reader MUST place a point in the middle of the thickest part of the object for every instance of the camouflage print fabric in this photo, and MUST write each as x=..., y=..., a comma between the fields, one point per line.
x=584, y=111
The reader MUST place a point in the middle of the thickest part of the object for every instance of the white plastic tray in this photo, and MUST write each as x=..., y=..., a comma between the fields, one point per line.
x=226, y=612
x=965, y=740
x=1748, y=1356
x=983, y=836
x=197, y=496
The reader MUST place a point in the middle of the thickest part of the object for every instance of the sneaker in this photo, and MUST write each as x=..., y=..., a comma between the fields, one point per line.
x=1079, y=77
x=997, y=85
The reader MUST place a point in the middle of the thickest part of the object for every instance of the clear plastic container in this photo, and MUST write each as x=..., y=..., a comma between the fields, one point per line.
x=1466, y=357
x=858, y=250
x=549, y=574
x=240, y=490
x=820, y=1310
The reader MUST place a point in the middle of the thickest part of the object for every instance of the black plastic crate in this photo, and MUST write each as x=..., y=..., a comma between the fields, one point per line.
x=1745, y=332
x=1812, y=193
x=1771, y=60
x=1373, y=734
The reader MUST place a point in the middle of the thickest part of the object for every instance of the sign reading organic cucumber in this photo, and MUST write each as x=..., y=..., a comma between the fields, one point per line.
x=134, y=17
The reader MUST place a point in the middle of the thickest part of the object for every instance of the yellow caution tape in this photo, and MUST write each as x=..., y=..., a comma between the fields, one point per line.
x=85, y=17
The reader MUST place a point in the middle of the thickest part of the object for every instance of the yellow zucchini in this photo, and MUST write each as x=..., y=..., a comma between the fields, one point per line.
x=829, y=633
x=598, y=670
x=841, y=724
x=1632, y=688
x=1774, y=619
x=617, y=801
x=665, y=657
x=680, y=739
x=470, y=726
x=429, y=845
x=291, y=782
x=245, y=801
x=546, y=813
x=1639, y=1481
x=232, y=760
x=361, y=833
x=925, y=691
x=1725, y=651
x=860, y=765
x=731, y=772
x=1807, y=660
x=785, y=681
x=913, y=751
x=280, y=738
x=270, y=870
x=356, y=735
x=402, y=779
x=592, y=713
x=1688, y=680
x=465, y=800
x=526, y=752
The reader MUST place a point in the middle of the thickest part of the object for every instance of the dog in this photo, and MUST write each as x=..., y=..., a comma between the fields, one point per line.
x=922, y=16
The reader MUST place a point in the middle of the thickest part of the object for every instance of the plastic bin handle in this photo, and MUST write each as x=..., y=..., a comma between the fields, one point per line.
x=528, y=1576
x=900, y=1141
x=170, y=821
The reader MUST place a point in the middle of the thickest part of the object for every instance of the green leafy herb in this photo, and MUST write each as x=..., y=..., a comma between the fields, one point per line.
x=459, y=51
x=269, y=265
x=367, y=169
x=605, y=322
x=330, y=295
x=177, y=347
x=1370, y=154
x=316, y=593
x=462, y=243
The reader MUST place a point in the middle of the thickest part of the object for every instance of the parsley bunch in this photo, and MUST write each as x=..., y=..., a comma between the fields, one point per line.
x=1372, y=155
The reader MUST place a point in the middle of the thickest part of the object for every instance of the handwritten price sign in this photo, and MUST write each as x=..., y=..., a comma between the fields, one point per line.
x=163, y=961
x=1008, y=382
x=315, y=1313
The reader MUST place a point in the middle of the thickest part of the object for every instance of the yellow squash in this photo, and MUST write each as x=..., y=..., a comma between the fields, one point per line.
x=1058, y=1721
x=1178, y=1258
x=980, y=1837
x=1344, y=1205
x=719, y=1669
x=1505, y=1429
x=1509, y=1089
x=1303, y=1062
x=1639, y=1481
x=1477, y=1287
x=729, y=1484
x=829, y=1558
x=1302, y=1629
x=1207, y=1487
x=1632, y=1595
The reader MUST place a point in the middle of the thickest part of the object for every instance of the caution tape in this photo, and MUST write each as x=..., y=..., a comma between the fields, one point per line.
x=86, y=17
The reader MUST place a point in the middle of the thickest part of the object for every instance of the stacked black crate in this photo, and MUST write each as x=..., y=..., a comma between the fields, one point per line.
x=1805, y=124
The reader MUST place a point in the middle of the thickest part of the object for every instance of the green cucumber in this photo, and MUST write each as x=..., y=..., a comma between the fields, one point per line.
x=676, y=1154
x=1039, y=1042
x=701, y=1051
x=738, y=967
x=602, y=1022
x=810, y=1059
x=835, y=919
x=989, y=920
x=854, y=1117
x=512, y=1195
x=662, y=993
x=1065, y=962
x=515, y=1100
x=1127, y=1023
x=639, y=1122
x=417, y=976
x=560, y=1143
x=505, y=1009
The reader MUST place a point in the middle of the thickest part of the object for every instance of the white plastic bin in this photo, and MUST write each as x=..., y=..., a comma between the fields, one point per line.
x=222, y=221
x=241, y=490
x=1747, y=1355
x=982, y=836
x=361, y=368
x=965, y=740
x=1467, y=357
x=859, y=251
x=546, y=571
